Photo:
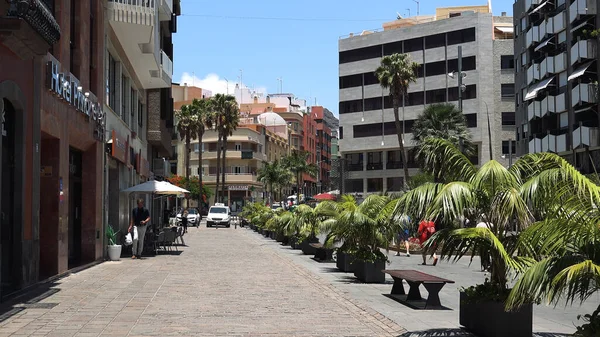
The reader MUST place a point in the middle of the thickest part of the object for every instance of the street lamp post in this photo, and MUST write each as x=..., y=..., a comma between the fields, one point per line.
x=226, y=81
x=460, y=75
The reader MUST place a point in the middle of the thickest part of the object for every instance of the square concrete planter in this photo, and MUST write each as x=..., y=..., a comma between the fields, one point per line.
x=324, y=254
x=369, y=272
x=344, y=262
x=488, y=319
x=307, y=249
x=294, y=242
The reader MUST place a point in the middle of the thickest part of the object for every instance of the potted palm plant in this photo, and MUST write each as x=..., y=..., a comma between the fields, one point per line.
x=565, y=244
x=114, y=250
x=310, y=220
x=491, y=197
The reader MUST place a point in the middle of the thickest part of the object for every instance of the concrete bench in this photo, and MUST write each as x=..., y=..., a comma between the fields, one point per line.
x=414, y=278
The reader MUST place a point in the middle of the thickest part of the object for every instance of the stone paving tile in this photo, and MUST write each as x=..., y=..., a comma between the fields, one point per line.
x=226, y=282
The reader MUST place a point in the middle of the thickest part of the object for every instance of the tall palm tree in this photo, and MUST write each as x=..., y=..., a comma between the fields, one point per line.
x=203, y=110
x=220, y=104
x=230, y=122
x=396, y=73
x=297, y=162
x=187, y=126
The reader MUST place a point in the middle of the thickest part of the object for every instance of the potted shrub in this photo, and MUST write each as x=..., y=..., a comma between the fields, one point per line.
x=310, y=221
x=114, y=250
x=368, y=266
x=492, y=198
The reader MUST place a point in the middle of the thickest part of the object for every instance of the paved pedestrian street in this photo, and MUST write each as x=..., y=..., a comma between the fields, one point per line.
x=226, y=282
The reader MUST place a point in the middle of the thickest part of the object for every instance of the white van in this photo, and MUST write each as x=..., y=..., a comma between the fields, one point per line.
x=219, y=214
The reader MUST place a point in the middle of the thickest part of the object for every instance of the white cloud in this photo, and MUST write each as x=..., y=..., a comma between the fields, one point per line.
x=215, y=83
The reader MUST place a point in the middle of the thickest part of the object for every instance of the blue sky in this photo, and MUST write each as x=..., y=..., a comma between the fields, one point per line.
x=215, y=39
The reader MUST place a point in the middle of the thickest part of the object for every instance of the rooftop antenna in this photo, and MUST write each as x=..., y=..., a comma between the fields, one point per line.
x=399, y=17
x=408, y=9
x=193, y=78
x=418, y=6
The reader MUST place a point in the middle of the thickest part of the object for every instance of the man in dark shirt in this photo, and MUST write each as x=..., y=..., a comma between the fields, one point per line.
x=140, y=217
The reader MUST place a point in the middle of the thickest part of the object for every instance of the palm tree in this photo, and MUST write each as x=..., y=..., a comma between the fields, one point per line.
x=203, y=112
x=396, y=73
x=269, y=175
x=443, y=121
x=229, y=123
x=221, y=105
x=311, y=219
x=297, y=162
x=566, y=243
x=187, y=126
x=490, y=195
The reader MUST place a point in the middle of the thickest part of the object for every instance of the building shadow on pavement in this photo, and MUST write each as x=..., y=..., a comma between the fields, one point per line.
x=332, y=270
x=29, y=298
x=454, y=332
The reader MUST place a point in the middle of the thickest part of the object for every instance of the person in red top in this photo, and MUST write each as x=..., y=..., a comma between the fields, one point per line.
x=426, y=230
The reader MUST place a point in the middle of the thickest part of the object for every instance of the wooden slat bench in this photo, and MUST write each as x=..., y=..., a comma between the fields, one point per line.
x=323, y=254
x=415, y=278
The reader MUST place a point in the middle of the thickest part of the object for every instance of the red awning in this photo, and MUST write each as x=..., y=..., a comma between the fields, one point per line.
x=325, y=196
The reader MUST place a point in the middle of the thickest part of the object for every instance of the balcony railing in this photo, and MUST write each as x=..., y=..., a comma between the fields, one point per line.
x=581, y=7
x=585, y=136
x=166, y=64
x=583, y=49
x=374, y=166
x=391, y=165
x=140, y=12
x=355, y=167
x=552, y=25
x=552, y=143
x=548, y=104
x=583, y=93
x=549, y=65
x=535, y=145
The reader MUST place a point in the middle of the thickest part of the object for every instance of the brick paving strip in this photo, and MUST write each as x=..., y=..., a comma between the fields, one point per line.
x=226, y=282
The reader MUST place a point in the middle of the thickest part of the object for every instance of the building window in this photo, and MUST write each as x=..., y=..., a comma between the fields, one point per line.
x=435, y=41
x=354, y=186
x=461, y=36
x=471, y=120
x=132, y=106
x=394, y=160
x=354, y=161
x=238, y=147
x=508, y=90
x=73, y=38
x=435, y=68
x=197, y=147
x=374, y=161
x=360, y=54
x=508, y=118
x=124, y=104
x=140, y=115
x=415, y=44
x=351, y=106
x=111, y=83
x=435, y=96
x=507, y=62
x=341, y=132
x=375, y=185
x=395, y=184
x=506, y=149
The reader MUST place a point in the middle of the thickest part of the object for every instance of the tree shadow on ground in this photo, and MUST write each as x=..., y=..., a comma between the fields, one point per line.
x=332, y=270
x=455, y=332
x=350, y=279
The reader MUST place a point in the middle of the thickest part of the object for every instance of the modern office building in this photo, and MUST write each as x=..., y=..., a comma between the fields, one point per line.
x=367, y=134
x=556, y=59
x=139, y=105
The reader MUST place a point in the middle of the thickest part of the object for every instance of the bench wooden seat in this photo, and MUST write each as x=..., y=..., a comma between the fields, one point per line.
x=415, y=278
x=322, y=253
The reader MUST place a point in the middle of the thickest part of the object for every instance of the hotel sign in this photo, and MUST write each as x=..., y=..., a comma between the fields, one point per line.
x=68, y=87
x=119, y=147
x=237, y=187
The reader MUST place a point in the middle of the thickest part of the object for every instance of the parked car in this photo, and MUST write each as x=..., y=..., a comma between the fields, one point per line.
x=219, y=214
x=193, y=217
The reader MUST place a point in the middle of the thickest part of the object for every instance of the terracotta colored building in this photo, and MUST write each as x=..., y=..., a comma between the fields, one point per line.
x=309, y=144
x=323, y=138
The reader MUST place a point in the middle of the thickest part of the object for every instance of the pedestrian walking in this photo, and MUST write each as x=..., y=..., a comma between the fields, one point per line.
x=403, y=235
x=140, y=216
x=184, y=220
x=426, y=230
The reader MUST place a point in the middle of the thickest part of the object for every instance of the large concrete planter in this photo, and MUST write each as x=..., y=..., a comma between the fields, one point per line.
x=488, y=319
x=307, y=249
x=294, y=242
x=273, y=235
x=369, y=272
x=344, y=262
x=114, y=252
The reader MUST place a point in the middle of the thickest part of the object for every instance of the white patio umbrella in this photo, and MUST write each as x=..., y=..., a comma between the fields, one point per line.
x=156, y=187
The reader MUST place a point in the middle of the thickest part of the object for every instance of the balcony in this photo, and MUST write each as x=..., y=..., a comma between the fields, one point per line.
x=535, y=145
x=583, y=49
x=166, y=66
x=245, y=178
x=583, y=93
x=549, y=65
x=29, y=32
x=585, y=136
x=548, y=104
x=581, y=7
x=556, y=144
x=552, y=25
x=166, y=10
x=136, y=25
x=234, y=155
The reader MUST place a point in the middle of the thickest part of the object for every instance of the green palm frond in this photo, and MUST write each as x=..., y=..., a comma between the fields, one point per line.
x=493, y=177
x=416, y=202
x=452, y=201
x=446, y=160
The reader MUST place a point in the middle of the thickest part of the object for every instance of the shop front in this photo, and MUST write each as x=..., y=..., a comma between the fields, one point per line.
x=72, y=131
